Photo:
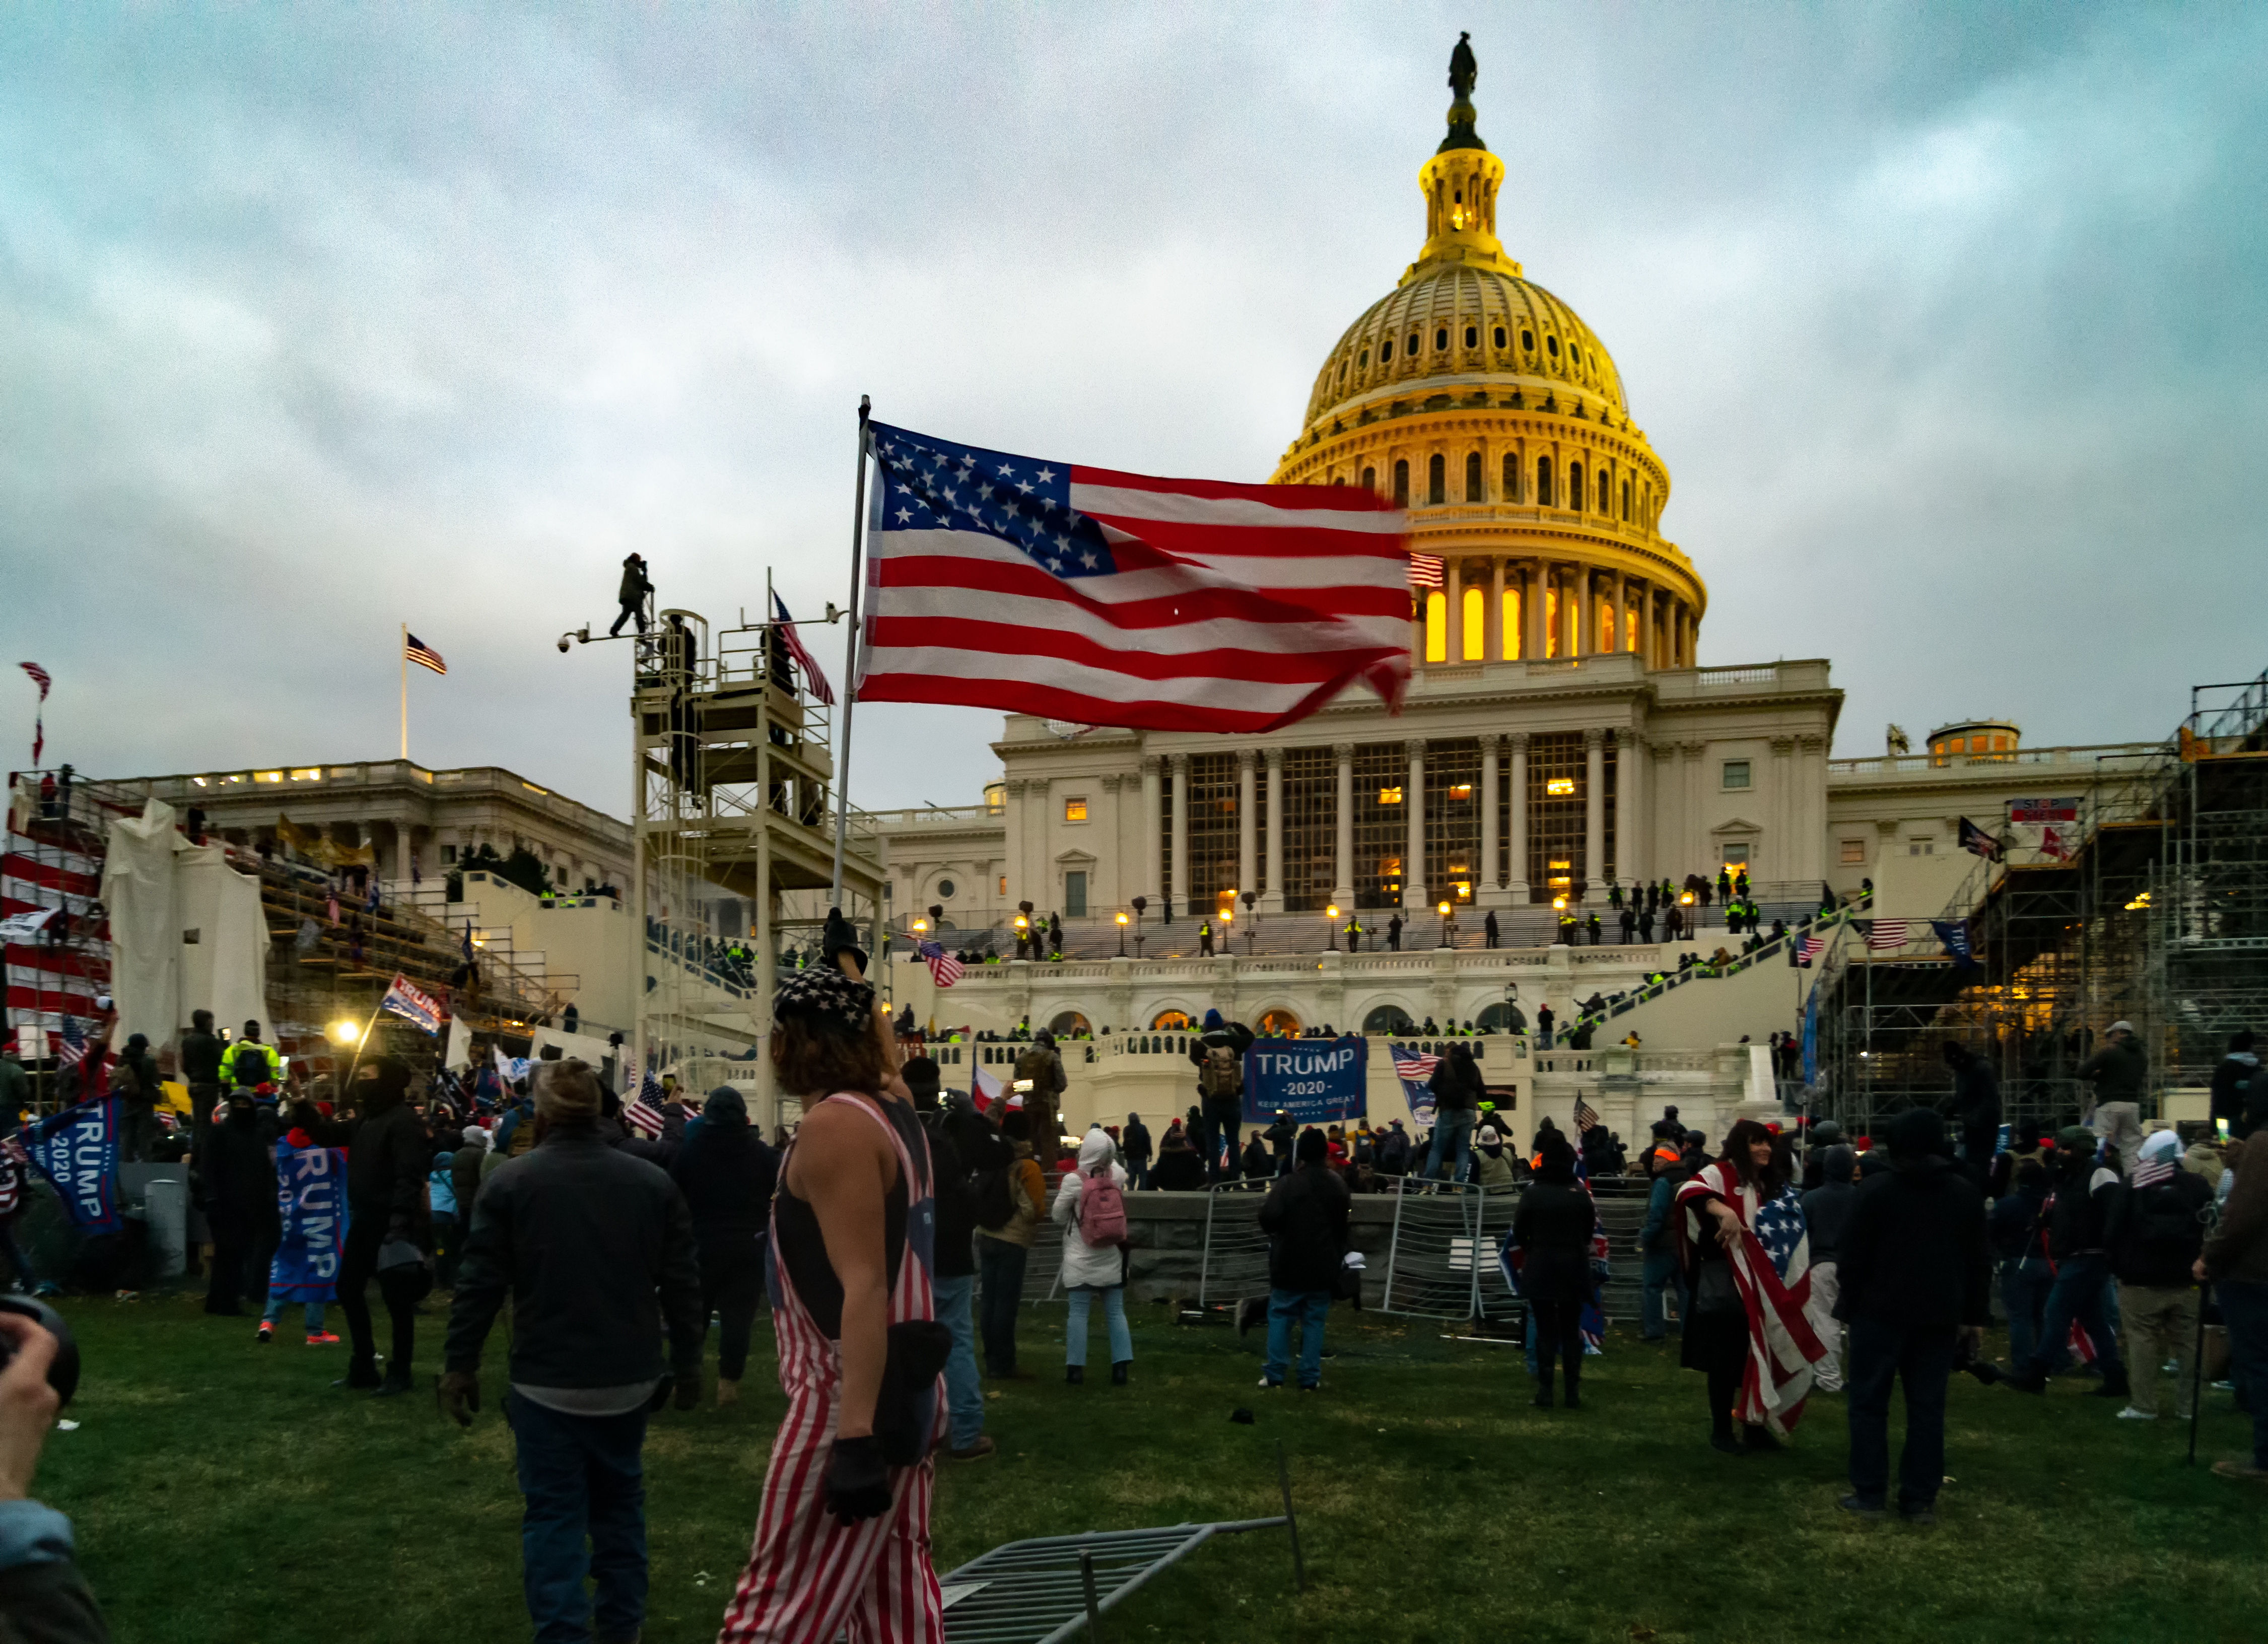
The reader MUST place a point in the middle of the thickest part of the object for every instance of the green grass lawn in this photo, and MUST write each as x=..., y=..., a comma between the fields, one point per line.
x=224, y=1492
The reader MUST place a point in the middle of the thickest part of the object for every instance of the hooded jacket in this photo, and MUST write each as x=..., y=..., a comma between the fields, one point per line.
x=2118, y=1070
x=2078, y=1215
x=727, y=1175
x=1305, y=1217
x=1914, y=1254
x=2237, y=1248
x=2240, y=1095
x=1102, y=1266
x=387, y=1157
x=2156, y=1230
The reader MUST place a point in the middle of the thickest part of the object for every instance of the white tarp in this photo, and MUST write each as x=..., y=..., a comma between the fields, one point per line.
x=158, y=887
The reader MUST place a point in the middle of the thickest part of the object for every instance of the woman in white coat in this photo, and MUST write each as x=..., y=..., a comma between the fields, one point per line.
x=1092, y=1268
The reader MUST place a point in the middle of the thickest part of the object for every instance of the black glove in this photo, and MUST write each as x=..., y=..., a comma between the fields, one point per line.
x=858, y=1483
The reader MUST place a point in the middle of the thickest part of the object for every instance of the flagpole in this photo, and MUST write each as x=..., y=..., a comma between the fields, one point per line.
x=851, y=657
x=405, y=690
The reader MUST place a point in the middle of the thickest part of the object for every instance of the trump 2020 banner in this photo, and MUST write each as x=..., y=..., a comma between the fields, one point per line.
x=1317, y=1081
x=310, y=1192
x=76, y=1149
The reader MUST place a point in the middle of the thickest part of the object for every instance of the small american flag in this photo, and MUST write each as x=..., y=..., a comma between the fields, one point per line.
x=1425, y=570
x=814, y=680
x=39, y=677
x=942, y=965
x=1812, y=946
x=643, y=1109
x=1586, y=1115
x=73, y=1050
x=423, y=654
x=1886, y=935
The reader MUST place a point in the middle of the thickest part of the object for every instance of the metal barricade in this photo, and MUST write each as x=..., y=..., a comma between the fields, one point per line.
x=1438, y=1252
x=1235, y=1263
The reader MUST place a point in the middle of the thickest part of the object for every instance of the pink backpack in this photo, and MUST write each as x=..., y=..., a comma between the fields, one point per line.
x=1102, y=1209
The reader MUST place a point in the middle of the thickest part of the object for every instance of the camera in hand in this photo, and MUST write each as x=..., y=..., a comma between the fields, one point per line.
x=62, y=1374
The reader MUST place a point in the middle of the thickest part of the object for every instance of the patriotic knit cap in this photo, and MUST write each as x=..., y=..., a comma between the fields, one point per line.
x=822, y=993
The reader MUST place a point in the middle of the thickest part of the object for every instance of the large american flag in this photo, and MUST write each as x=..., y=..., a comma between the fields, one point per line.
x=1812, y=947
x=814, y=680
x=1425, y=570
x=643, y=1109
x=1586, y=1115
x=944, y=969
x=1886, y=935
x=1102, y=598
x=1771, y=1272
x=73, y=1050
x=423, y=654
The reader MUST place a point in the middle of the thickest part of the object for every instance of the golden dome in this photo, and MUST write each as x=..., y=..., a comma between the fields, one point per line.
x=1482, y=404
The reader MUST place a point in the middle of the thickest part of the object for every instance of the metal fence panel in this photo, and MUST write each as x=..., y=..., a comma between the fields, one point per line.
x=1236, y=1249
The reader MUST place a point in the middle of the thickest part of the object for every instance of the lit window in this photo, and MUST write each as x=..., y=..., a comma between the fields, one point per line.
x=1464, y=891
x=1561, y=866
x=1461, y=791
x=1004, y=884
x=1437, y=626
x=1562, y=882
x=1736, y=773
x=267, y=776
x=1476, y=636
x=1560, y=787
x=1391, y=796
x=311, y=773
x=1074, y=810
x=1854, y=850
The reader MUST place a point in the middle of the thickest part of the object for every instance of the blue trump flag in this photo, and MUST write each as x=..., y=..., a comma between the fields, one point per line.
x=311, y=1196
x=1317, y=1081
x=76, y=1149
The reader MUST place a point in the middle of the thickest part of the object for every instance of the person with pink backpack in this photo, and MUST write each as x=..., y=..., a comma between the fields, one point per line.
x=1091, y=1209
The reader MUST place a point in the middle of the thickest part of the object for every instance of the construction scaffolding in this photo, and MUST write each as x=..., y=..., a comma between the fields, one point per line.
x=2151, y=907
x=733, y=781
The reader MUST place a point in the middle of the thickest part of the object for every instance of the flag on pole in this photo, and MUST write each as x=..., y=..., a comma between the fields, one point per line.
x=406, y=1001
x=1955, y=935
x=944, y=969
x=423, y=654
x=1886, y=935
x=1425, y=570
x=1975, y=838
x=43, y=680
x=1586, y=1115
x=1104, y=598
x=643, y=1109
x=989, y=1090
x=1812, y=946
x=2052, y=845
x=814, y=680
x=72, y=1051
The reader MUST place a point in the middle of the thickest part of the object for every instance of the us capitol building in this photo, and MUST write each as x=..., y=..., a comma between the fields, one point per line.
x=1559, y=734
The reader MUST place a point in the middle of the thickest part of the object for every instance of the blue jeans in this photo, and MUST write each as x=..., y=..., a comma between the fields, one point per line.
x=964, y=1394
x=2078, y=1293
x=583, y=1479
x=1452, y=1132
x=1000, y=1272
x=275, y=1311
x=1139, y=1170
x=1662, y=1279
x=1922, y=1358
x=1309, y=1308
x=2024, y=1287
x=1114, y=1314
x=2244, y=1309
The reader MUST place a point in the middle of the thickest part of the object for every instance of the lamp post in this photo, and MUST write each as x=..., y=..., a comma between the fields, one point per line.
x=1446, y=932
x=1252, y=930
x=1138, y=904
x=1331, y=929
x=1122, y=935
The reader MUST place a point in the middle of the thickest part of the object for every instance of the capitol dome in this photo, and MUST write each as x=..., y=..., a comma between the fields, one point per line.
x=1485, y=405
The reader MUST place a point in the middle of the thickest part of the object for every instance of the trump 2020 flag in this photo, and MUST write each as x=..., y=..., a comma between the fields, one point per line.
x=311, y=1194
x=76, y=1149
x=405, y=1000
x=1101, y=597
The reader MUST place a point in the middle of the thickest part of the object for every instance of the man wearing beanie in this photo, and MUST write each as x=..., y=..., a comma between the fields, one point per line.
x=1306, y=1219
x=1914, y=1282
x=596, y=1248
x=388, y=1157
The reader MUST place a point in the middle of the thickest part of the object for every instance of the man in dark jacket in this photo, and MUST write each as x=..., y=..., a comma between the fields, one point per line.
x=2077, y=1217
x=1916, y=1290
x=1279, y=1136
x=596, y=1250
x=2155, y=1232
x=2235, y=1259
x=1218, y=1054
x=2118, y=1070
x=1135, y=1142
x=1305, y=1217
x=388, y=1157
x=200, y=1060
x=1827, y=1216
x=631, y=595
x=1456, y=1089
x=2240, y=1095
x=1974, y=1106
x=727, y=1175
x=234, y=1167
x=961, y=1143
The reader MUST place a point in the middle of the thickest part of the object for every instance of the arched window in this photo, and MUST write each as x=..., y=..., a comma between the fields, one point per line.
x=1527, y=341
x=1440, y=337
x=1575, y=493
x=1362, y=359
x=1552, y=346
x=1170, y=1021
x=1512, y=624
x=1512, y=476
x=1437, y=480
x=1412, y=347
x=1475, y=634
x=1607, y=626
x=1338, y=479
x=1472, y=336
x=1543, y=482
x=1605, y=493
x=1497, y=1018
x=1402, y=482
x=1388, y=1019
x=1370, y=480
x=1279, y=1024
x=1499, y=336
x=1386, y=351
x=1437, y=626
x=1473, y=476
x=1067, y=1022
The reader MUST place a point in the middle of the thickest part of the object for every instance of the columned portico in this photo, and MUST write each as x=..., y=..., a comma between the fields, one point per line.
x=1413, y=801
x=1271, y=900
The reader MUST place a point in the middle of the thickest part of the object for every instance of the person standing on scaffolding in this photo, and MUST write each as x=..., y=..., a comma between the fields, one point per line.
x=632, y=594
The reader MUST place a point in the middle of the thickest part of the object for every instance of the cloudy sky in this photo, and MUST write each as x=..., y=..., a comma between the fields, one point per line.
x=1949, y=322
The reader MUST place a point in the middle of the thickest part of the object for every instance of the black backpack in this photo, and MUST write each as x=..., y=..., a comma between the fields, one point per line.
x=249, y=1063
x=2166, y=1227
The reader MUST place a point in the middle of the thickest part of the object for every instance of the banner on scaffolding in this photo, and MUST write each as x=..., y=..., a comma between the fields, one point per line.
x=2039, y=811
x=1316, y=1081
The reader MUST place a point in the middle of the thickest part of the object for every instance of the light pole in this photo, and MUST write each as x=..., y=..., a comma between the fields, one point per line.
x=1446, y=932
x=1331, y=929
x=1138, y=904
x=1122, y=935
x=1252, y=930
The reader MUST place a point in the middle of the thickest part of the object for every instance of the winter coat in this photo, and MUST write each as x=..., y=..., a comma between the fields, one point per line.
x=1135, y=1140
x=634, y=586
x=1305, y=1217
x=388, y=1162
x=727, y=1175
x=1553, y=1228
x=1493, y=1169
x=1099, y=1266
x=2238, y=1091
x=2078, y=1217
x=2156, y=1232
x=2118, y=1070
x=1826, y=1213
x=2237, y=1247
x=1914, y=1254
x=1455, y=1085
x=1028, y=1188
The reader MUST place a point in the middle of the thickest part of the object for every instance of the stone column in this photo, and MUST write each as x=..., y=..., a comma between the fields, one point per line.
x=1149, y=882
x=1017, y=829
x=1271, y=900
x=1453, y=624
x=1622, y=613
x=1586, y=612
x=1416, y=628
x=1595, y=813
x=1692, y=838
x=1496, y=635
x=1108, y=890
x=1413, y=805
x=1247, y=836
x=1532, y=601
x=1630, y=805
x=1519, y=830
x=1343, y=866
x=1811, y=813
x=1780, y=846
x=1177, y=887
x=1487, y=880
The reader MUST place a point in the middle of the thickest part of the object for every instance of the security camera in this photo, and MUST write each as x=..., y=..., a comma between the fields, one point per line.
x=564, y=641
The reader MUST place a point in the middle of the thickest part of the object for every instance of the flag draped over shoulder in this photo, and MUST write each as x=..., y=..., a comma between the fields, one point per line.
x=1772, y=1269
x=1103, y=598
